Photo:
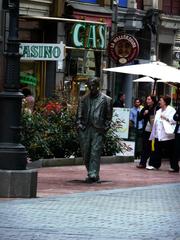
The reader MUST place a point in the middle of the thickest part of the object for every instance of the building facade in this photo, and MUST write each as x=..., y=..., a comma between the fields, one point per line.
x=155, y=25
x=86, y=27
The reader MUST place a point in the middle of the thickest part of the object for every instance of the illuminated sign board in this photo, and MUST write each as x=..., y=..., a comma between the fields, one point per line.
x=89, y=36
x=123, y=48
x=28, y=79
x=42, y=51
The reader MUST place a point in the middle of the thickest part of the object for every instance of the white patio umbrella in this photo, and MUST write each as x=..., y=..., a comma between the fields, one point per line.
x=170, y=81
x=144, y=79
x=147, y=80
x=156, y=70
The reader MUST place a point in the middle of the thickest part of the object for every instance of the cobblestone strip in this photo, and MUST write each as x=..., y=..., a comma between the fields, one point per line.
x=143, y=213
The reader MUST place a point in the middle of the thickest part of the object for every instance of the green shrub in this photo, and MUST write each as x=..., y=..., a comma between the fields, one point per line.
x=50, y=131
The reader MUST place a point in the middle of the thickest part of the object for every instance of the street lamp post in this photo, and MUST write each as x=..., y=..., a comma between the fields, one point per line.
x=12, y=153
x=15, y=180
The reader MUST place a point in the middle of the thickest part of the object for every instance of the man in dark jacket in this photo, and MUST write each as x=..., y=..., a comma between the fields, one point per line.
x=120, y=102
x=176, y=157
x=94, y=116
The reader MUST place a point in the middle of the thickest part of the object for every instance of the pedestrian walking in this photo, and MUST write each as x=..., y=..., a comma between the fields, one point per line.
x=94, y=116
x=147, y=114
x=163, y=135
x=136, y=127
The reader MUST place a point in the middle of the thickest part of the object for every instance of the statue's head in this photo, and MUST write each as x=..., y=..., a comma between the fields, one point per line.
x=93, y=85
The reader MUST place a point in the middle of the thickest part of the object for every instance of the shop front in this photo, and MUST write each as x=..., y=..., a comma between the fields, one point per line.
x=34, y=52
x=88, y=42
x=84, y=43
x=38, y=51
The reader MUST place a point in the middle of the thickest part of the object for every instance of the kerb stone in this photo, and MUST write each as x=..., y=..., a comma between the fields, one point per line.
x=18, y=183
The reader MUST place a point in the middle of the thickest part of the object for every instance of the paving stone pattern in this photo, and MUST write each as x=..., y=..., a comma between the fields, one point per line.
x=140, y=213
x=70, y=179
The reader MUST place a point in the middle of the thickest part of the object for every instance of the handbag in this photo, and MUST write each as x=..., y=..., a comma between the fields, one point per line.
x=169, y=127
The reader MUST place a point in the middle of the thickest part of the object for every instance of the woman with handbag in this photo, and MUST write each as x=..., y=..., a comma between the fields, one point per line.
x=163, y=135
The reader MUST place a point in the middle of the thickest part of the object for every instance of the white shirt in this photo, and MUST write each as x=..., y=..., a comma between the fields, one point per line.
x=158, y=130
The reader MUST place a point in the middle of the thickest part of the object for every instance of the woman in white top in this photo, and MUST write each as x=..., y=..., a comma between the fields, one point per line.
x=163, y=134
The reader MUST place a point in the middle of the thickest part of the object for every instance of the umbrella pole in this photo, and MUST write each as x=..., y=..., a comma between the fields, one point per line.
x=154, y=86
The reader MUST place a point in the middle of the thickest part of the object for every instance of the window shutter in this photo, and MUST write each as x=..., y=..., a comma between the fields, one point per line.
x=171, y=7
x=176, y=7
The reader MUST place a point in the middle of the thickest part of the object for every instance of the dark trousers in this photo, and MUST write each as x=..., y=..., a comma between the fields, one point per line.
x=176, y=151
x=146, y=148
x=163, y=149
x=138, y=143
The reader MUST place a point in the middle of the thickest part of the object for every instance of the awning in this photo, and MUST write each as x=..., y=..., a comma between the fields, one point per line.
x=91, y=12
x=93, y=8
x=91, y=17
x=56, y=19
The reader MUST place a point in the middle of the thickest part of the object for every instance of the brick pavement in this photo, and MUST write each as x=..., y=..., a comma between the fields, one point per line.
x=69, y=179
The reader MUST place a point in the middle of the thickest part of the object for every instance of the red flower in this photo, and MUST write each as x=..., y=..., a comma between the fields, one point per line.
x=52, y=107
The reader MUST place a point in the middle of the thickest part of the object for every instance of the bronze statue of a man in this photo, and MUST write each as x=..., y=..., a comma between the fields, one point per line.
x=94, y=116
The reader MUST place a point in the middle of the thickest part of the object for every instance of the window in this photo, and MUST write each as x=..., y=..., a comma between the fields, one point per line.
x=123, y=3
x=171, y=7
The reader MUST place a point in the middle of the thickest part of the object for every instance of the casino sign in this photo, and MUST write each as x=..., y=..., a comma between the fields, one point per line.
x=123, y=48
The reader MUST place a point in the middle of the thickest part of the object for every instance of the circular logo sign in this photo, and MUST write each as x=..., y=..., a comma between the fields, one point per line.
x=123, y=48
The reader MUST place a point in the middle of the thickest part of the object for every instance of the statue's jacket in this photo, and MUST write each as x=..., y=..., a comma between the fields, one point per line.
x=101, y=116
